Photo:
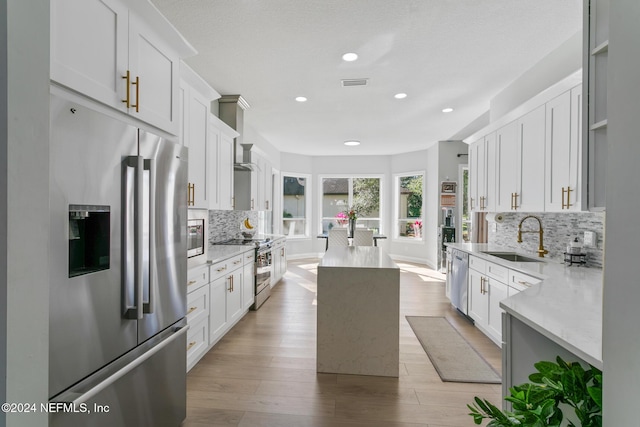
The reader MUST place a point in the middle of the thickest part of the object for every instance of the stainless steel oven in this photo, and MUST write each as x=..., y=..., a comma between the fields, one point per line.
x=263, y=274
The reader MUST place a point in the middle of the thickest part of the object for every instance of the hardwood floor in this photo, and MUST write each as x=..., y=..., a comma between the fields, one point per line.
x=263, y=372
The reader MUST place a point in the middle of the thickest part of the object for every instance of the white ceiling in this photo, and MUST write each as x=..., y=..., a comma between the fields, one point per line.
x=442, y=53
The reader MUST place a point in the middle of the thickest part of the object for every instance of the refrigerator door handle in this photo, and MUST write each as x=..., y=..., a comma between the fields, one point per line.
x=149, y=164
x=128, y=367
x=133, y=218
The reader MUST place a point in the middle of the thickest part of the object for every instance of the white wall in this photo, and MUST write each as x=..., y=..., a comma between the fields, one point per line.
x=621, y=335
x=24, y=207
x=560, y=63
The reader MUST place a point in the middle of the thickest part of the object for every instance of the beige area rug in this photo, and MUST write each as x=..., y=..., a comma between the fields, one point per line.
x=451, y=355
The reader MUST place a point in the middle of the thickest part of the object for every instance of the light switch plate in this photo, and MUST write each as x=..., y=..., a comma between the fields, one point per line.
x=589, y=239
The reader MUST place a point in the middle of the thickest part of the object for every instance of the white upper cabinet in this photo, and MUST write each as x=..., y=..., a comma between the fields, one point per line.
x=123, y=57
x=225, y=169
x=488, y=200
x=87, y=55
x=507, y=168
x=563, y=187
x=482, y=164
x=195, y=112
x=531, y=176
x=477, y=174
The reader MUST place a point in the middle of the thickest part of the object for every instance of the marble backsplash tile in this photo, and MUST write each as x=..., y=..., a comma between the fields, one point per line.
x=559, y=230
x=225, y=225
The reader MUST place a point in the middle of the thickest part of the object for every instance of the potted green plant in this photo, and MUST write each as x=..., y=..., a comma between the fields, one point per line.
x=554, y=388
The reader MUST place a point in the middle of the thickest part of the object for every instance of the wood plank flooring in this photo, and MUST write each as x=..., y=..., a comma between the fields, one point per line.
x=263, y=372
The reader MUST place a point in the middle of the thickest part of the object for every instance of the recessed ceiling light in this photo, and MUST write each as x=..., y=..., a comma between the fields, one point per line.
x=447, y=110
x=301, y=99
x=401, y=95
x=349, y=57
x=352, y=142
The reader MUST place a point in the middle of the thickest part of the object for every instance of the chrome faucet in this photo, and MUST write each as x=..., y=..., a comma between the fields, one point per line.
x=541, y=249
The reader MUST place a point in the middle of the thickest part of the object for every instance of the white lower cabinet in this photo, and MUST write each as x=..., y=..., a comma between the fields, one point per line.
x=218, y=314
x=279, y=260
x=197, y=314
x=478, y=298
x=197, y=342
x=489, y=284
x=226, y=297
x=497, y=292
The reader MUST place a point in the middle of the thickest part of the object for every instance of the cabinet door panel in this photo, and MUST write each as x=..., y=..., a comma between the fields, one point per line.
x=226, y=172
x=558, y=151
x=90, y=55
x=198, y=123
x=218, y=313
x=489, y=201
x=478, y=303
x=507, y=161
x=157, y=67
x=576, y=179
x=531, y=174
x=497, y=292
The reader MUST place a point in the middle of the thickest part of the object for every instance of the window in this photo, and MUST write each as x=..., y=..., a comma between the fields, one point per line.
x=339, y=194
x=295, y=205
x=409, y=205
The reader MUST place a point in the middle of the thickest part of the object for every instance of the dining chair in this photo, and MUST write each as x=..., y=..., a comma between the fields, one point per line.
x=338, y=237
x=363, y=237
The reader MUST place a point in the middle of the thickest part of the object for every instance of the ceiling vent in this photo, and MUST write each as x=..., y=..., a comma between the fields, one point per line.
x=354, y=82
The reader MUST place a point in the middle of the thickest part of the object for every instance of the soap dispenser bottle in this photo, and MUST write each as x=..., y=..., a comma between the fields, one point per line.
x=575, y=247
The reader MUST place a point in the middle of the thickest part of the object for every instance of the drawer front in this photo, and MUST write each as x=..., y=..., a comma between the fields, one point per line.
x=197, y=277
x=198, y=305
x=249, y=257
x=478, y=264
x=222, y=268
x=520, y=281
x=497, y=272
x=197, y=342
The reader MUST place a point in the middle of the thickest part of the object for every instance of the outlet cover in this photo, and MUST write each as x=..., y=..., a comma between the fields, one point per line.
x=589, y=239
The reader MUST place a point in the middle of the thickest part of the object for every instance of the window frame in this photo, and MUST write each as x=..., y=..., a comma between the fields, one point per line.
x=350, y=177
x=396, y=208
x=308, y=194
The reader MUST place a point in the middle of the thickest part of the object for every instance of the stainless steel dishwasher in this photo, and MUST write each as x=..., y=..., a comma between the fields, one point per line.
x=459, y=280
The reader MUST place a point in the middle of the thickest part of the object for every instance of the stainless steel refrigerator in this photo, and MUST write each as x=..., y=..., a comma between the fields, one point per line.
x=118, y=262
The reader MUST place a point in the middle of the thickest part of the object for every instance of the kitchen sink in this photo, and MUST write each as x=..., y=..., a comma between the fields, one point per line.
x=512, y=256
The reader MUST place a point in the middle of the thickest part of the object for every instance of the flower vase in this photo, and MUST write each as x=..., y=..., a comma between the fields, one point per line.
x=351, y=229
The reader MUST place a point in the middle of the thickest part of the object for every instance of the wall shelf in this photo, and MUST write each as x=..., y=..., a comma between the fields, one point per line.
x=601, y=48
x=599, y=125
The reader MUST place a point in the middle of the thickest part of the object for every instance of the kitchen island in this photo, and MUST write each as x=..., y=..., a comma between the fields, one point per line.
x=358, y=317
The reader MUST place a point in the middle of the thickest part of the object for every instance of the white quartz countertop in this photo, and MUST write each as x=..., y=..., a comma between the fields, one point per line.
x=566, y=306
x=217, y=253
x=356, y=257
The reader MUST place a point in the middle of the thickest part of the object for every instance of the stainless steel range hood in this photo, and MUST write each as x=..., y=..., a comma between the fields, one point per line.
x=232, y=108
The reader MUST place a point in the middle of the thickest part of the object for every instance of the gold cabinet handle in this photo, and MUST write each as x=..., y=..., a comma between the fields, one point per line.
x=221, y=269
x=191, y=282
x=568, y=197
x=230, y=278
x=127, y=99
x=191, y=310
x=471, y=202
x=191, y=194
x=233, y=202
x=251, y=204
x=237, y=262
x=191, y=344
x=527, y=284
x=137, y=104
x=282, y=252
x=266, y=202
x=515, y=201
x=250, y=256
x=482, y=204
